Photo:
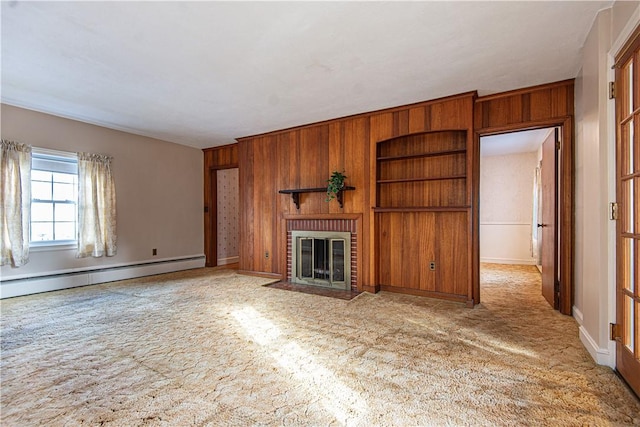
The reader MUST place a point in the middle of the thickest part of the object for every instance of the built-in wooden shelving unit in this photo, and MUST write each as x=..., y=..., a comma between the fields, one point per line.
x=421, y=155
x=426, y=171
x=422, y=214
x=431, y=178
x=425, y=209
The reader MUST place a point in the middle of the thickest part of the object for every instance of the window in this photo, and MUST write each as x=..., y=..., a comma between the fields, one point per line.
x=54, y=197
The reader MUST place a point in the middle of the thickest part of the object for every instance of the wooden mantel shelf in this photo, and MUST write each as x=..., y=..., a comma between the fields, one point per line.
x=295, y=193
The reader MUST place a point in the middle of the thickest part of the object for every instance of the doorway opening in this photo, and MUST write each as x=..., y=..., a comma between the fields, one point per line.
x=223, y=244
x=227, y=216
x=519, y=225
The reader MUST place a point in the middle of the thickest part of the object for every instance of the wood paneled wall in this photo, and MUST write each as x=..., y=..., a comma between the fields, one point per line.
x=305, y=156
x=541, y=106
x=537, y=106
x=422, y=214
x=225, y=157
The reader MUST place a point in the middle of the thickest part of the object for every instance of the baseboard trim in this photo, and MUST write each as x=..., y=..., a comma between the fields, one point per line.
x=422, y=293
x=577, y=314
x=264, y=274
x=602, y=356
x=65, y=280
x=228, y=260
x=508, y=261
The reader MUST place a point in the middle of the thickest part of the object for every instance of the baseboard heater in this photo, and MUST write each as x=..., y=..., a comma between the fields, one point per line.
x=64, y=280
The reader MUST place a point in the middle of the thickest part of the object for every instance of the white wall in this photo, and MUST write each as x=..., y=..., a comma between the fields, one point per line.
x=159, y=187
x=506, y=208
x=594, y=299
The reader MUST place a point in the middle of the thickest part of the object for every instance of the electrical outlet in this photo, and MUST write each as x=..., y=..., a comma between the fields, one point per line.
x=432, y=265
x=154, y=252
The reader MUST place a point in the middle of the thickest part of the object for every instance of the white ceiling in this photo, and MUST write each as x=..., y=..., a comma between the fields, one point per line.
x=204, y=73
x=513, y=143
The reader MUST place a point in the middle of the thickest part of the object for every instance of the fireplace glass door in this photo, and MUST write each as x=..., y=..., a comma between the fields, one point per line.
x=321, y=261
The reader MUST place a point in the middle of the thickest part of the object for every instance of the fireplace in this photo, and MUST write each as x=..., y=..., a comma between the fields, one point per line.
x=321, y=258
x=322, y=228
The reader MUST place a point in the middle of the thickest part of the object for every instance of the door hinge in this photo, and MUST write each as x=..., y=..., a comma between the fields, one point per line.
x=615, y=332
x=558, y=145
x=613, y=211
x=612, y=90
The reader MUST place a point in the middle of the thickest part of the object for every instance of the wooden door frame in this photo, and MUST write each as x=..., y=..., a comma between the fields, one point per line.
x=211, y=220
x=565, y=204
x=625, y=364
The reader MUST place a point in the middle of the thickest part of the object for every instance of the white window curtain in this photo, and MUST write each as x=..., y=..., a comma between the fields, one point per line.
x=15, y=195
x=96, y=206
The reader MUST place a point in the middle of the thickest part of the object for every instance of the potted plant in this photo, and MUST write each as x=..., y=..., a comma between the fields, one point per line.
x=335, y=185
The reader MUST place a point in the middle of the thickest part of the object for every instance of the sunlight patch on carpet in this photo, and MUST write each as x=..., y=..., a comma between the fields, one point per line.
x=346, y=405
x=496, y=346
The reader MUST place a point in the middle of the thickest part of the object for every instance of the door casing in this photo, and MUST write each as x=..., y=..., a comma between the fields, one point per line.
x=565, y=199
x=211, y=242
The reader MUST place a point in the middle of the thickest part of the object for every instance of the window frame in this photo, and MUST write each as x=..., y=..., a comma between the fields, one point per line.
x=60, y=156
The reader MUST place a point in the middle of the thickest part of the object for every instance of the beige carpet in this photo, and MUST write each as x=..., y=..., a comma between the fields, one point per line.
x=210, y=347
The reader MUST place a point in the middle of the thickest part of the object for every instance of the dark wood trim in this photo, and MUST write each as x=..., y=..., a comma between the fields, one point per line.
x=211, y=215
x=220, y=168
x=530, y=125
x=629, y=48
x=434, y=178
x=422, y=155
x=212, y=253
x=274, y=276
x=221, y=147
x=427, y=132
x=627, y=89
x=421, y=293
x=475, y=218
x=371, y=289
x=524, y=91
x=566, y=220
x=355, y=216
x=215, y=159
x=425, y=209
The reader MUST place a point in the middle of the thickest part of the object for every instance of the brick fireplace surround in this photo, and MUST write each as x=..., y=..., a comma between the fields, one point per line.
x=343, y=225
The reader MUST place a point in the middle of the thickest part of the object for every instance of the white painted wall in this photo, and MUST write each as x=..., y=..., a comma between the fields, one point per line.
x=594, y=299
x=506, y=208
x=159, y=188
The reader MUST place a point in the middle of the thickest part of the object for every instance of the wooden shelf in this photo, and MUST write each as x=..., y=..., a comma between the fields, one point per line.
x=295, y=193
x=423, y=209
x=423, y=155
x=427, y=172
x=440, y=178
